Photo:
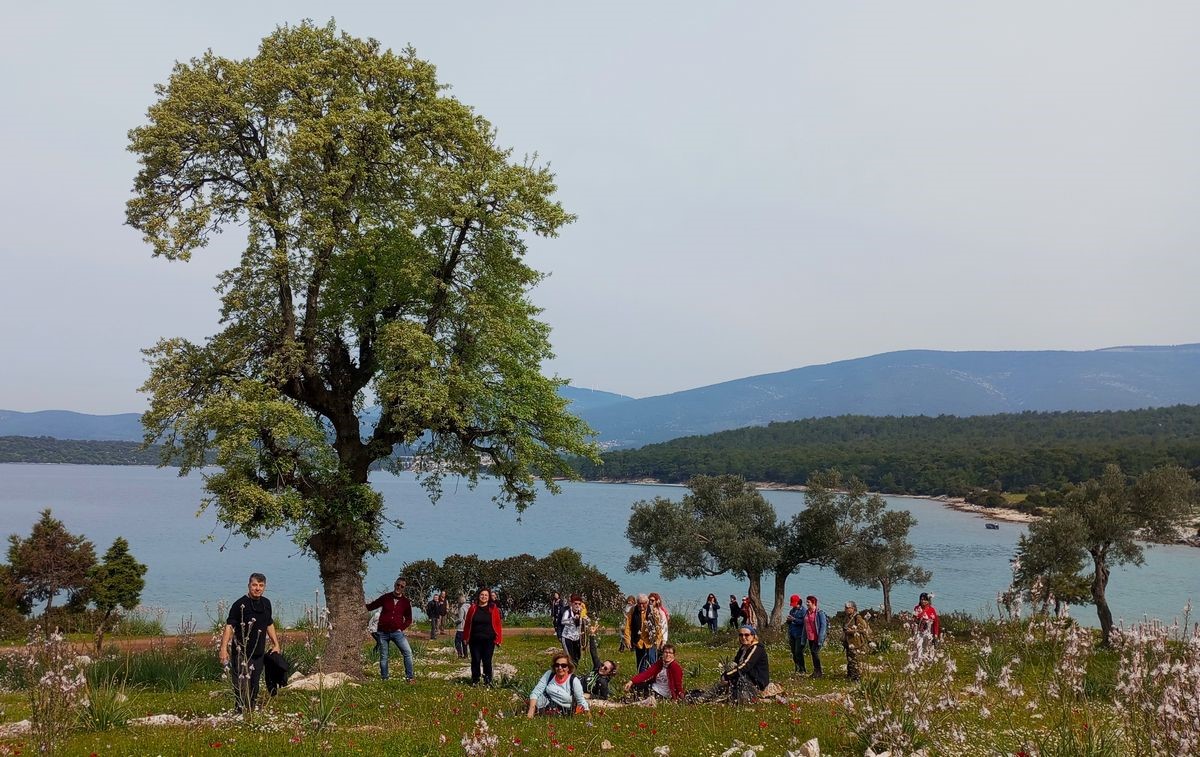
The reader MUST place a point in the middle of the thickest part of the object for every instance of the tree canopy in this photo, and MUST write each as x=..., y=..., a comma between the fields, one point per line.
x=385, y=237
x=49, y=561
x=117, y=581
x=724, y=525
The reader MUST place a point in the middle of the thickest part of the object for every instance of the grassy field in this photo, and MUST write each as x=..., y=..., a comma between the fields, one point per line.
x=989, y=689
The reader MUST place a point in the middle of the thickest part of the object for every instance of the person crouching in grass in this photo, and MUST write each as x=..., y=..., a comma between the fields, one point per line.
x=662, y=680
x=559, y=691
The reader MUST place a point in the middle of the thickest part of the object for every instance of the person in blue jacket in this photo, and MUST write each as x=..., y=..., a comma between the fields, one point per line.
x=807, y=626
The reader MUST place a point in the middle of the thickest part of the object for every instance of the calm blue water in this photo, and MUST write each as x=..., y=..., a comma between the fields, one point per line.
x=193, y=564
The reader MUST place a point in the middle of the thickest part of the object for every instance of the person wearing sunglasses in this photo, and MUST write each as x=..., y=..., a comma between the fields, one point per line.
x=749, y=673
x=663, y=679
x=559, y=691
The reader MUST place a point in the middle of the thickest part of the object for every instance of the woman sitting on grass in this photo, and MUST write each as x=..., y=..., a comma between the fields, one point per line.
x=662, y=680
x=750, y=673
x=558, y=692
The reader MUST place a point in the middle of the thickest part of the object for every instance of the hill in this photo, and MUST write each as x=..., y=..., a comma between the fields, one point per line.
x=127, y=427
x=914, y=382
x=927, y=455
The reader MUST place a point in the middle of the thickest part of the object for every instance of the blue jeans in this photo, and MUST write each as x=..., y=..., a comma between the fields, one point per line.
x=401, y=641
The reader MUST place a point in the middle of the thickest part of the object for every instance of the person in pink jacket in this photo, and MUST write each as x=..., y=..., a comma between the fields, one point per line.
x=664, y=678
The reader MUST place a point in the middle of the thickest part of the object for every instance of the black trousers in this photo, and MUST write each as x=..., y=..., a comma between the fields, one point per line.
x=573, y=649
x=245, y=673
x=641, y=657
x=481, y=658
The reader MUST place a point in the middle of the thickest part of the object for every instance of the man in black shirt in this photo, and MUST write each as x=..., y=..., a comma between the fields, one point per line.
x=244, y=641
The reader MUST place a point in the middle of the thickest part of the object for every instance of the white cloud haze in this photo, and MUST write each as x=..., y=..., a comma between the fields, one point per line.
x=759, y=186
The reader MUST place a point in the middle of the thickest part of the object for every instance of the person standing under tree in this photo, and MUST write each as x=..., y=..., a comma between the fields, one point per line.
x=244, y=642
x=394, y=620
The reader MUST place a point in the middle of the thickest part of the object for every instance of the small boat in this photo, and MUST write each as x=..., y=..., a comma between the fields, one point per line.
x=992, y=526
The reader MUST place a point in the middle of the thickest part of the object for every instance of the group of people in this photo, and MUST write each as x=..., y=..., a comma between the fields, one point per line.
x=249, y=642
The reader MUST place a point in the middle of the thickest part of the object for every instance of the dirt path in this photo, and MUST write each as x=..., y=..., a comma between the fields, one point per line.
x=208, y=640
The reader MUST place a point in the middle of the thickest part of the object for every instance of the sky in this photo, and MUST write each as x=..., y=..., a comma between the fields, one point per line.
x=759, y=186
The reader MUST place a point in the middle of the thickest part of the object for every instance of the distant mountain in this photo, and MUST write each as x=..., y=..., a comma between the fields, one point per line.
x=914, y=382
x=127, y=427
x=64, y=424
x=590, y=399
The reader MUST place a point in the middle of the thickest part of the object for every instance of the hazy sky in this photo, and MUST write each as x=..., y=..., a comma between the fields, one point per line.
x=760, y=186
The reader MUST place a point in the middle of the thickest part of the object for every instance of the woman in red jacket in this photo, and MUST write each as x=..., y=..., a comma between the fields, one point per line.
x=664, y=677
x=482, y=633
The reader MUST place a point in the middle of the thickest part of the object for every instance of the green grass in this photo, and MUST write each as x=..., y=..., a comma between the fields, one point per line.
x=430, y=716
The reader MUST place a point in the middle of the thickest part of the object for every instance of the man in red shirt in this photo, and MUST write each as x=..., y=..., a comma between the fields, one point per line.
x=395, y=617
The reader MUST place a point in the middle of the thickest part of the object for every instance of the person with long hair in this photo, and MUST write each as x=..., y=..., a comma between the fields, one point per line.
x=709, y=612
x=559, y=691
x=482, y=633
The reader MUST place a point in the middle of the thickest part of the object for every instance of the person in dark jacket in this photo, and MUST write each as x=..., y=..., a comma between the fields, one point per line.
x=709, y=612
x=394, y=619
x=749, y=674
x=557, y=606
x=597, y=682
x=483, y=631
x=735, y=611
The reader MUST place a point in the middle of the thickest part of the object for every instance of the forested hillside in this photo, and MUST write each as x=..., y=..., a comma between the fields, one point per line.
x=927, y=455
x=43, y=449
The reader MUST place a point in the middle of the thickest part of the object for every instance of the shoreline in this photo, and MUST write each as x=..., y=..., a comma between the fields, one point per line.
x=1006, y=514
x=1003, y=514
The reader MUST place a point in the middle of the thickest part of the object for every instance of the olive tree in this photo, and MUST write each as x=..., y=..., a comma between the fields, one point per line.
x=1106, y=519
x=385, y=234
x=722, y=525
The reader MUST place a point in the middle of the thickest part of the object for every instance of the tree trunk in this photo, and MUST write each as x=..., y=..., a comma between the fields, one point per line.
x=755, y=595
x=1099, y=584
x=780, y=599
x=340, y=564
x=100, y=632
x=886, y=586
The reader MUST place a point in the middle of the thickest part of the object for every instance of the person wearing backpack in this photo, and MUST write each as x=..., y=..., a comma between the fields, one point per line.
x=559, y=691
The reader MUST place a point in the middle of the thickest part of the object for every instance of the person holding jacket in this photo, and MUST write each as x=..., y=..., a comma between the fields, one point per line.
x=394, y=619
x=663, y=679
x=482, y=633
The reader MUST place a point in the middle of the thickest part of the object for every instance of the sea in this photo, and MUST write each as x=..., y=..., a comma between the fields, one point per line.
x=196, y=566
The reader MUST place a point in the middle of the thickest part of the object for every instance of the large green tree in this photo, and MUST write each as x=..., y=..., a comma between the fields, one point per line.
x=116, y=582
x=384, y=264
x=51, y=560
x=1107, y=518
